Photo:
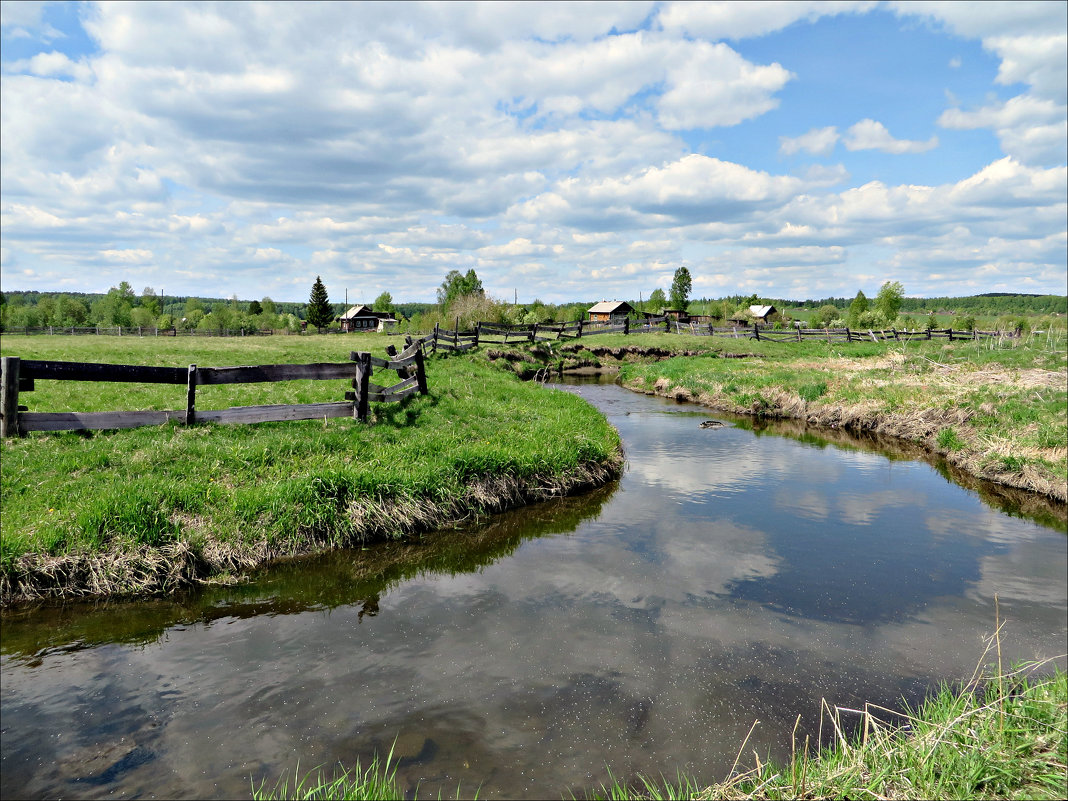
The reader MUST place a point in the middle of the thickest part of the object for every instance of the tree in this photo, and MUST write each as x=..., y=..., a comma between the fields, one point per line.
x=320, y=312
x=680, y=289
x=657, y=301
x=888, y=301
x=268, y=306
x=254, y=308
x=823, y=316
x=857, y=309
x=150, y=300
x=383, y=303
x=457, y=285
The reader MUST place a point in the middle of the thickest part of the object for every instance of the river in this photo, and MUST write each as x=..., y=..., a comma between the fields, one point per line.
x=731, y=575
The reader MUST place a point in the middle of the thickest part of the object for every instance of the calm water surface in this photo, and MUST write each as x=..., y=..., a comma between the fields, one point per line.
x=727, y=577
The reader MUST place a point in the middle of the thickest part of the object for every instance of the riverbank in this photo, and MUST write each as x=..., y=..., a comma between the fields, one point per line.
x=993, y=410
x=152, y=509
x=1004, y=737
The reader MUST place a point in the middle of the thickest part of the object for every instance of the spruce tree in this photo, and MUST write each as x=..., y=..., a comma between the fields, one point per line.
x=320, y=312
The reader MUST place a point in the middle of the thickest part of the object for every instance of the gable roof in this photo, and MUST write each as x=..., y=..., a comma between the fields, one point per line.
x=761, y=311
x=359, y=310
x=609, y=306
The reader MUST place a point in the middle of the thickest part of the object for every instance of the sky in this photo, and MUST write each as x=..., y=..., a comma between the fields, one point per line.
x=564, y=151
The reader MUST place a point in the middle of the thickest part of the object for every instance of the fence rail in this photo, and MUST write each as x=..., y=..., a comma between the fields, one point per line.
x=18, y=376
x=455, y=340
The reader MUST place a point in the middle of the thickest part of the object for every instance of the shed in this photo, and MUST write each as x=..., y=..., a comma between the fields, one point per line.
x=608, y=310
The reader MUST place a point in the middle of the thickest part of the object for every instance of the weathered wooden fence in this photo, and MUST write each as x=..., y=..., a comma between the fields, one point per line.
x=18, y=376
x=455, y=340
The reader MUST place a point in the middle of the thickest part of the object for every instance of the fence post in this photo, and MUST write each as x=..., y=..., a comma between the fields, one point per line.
x=478, y=331
x=191, y=396
x=626, y=326
x=420, y=372
x=580, y=330
x=9, y=392
x=756, y=332
x=362, y=385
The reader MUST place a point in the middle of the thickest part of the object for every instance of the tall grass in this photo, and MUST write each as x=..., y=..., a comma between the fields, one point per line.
x=376, y=782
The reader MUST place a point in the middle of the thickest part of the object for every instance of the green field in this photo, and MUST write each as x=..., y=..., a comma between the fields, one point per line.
x=149, y=508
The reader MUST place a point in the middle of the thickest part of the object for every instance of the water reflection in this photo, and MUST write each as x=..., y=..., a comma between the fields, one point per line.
x=644, y=627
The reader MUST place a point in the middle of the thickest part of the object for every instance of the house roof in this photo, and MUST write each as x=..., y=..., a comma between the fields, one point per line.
x=761, y=311
x=359, y=310
x=609, y=306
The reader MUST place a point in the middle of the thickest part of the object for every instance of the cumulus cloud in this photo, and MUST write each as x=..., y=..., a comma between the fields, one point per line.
x=537, y=142
x=1031, y=129
x=818, y=141
x=871, y=135
x=743, y=20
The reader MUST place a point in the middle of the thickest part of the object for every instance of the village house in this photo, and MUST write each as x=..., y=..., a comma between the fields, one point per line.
x=362, y=318
x=609, y=311
x=756, y=314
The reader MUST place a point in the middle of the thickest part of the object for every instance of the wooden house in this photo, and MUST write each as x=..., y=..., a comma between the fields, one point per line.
x=362, y=318
x=610, y=310
x=762, y=313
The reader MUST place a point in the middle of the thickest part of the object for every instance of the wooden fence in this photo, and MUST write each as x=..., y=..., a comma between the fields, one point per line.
x=18, y=376
x=455, y=340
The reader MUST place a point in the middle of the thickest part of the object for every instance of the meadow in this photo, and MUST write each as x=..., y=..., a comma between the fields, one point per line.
x=149, y=509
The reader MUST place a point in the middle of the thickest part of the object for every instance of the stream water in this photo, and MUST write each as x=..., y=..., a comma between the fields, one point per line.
x=733, y=574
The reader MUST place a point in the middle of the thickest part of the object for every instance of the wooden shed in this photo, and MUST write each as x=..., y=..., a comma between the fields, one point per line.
x=608, y=310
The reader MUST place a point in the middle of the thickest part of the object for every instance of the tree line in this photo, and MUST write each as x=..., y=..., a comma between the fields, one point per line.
x=462, y=300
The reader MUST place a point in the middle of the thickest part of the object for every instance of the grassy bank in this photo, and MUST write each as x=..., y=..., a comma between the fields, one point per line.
x=994, y=409
x=1005, y=737
x=148, y=509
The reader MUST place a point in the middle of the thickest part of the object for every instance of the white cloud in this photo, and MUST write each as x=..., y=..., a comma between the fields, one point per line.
x=871, y=135
x=743, y=20
x=818, y=141
x=1031, y=129
x=716, y=86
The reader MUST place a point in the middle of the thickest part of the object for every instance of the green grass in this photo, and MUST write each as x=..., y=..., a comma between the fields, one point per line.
x=377, y=781
x=274, y=487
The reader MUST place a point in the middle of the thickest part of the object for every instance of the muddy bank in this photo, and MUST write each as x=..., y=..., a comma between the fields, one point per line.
x=917, y=429
x=185, y=562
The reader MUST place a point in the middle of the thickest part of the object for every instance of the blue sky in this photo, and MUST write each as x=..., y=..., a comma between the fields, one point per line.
x=563, y=151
